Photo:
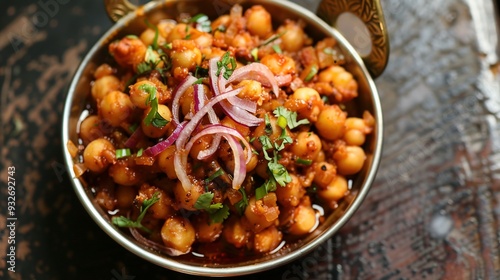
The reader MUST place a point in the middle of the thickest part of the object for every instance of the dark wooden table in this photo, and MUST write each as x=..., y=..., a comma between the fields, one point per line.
x=433, y=212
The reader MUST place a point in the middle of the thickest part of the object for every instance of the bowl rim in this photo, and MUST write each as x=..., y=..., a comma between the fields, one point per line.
x=174, y=265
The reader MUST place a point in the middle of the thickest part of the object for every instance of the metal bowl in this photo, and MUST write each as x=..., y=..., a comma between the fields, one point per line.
x=133, y=23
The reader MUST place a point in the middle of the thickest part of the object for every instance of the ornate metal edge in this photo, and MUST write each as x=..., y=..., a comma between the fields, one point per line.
x=117, y=9
x=370, y=12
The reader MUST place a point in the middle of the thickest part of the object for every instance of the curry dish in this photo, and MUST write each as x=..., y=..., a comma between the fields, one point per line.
x=221, y=137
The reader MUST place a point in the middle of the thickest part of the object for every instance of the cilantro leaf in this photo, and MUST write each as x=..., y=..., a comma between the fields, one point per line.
x=122, y=221
x=217, y=212
x=226, y=63
x=290, y=116
x=203, y=202
x=279, y=173
x=155, y=39
x=153, y=117
x=243, y=203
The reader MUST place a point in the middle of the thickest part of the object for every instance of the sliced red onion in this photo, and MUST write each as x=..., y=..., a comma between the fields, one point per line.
x=233, y=137
x=239, y=115
x=161, y=146
x=180, y=159
x=258, y=72
x=219, y=129
x=134, y=138
x=240, y=167
x=178, y=92
x=199, y=97
x=153, y=245
x=283, y=80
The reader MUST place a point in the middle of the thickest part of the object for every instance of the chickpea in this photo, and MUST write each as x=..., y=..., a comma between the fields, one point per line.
x=335, y=190
x=342, y=80
x=304, y=220
x=262, y=213
x=267, y=240
x=151, y=130
x=165, y=27
x=104, y=85
x=261, y=131
x=98, y=155
x=106, y=199
x=116, y=108
x=185, y=54
x=349, y=160
x=356, y=130
x=128, y=52
x=201, y=144
x=252, y=90
x=162, y=209
x=309, y=102
x=293, y=38
x=206, y=232
x=291, y=193
x=324, y=174
x=307, y=145
x=125, y=196
x=331, y=122
x=103, y=70
x=166, y=162
x=279, y=64
x=178, y=233
x=187, y=199
x=259, y=21
x=235, y=232
x=123, y=174
x=148, y=36
x=138, y=95
x=222, y=21
x=90, y=130
x=179, y=32
x=242, y=129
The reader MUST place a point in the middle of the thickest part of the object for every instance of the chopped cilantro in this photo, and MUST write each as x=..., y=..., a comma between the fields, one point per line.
x=155, y=39
x=126, y=222
x=311, y=74
x=216, y=174
x=217, y=211
x=227, y=63
x=153, y=116
x=243, y=203
x=277, y=49
x=272, y=39
x=121, y=153
x=291, y=117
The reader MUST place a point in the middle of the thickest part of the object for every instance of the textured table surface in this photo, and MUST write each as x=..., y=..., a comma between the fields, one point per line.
x=433, y=212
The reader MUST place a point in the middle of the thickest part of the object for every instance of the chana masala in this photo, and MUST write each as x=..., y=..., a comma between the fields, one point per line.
x=219, y=138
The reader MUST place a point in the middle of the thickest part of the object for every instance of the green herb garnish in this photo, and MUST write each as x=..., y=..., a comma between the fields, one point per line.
x=272, y=39
x=243, y=203
x=139, y=153
x=153, y=116
x=291, y=117
x=155, y=39
x=277, y=49
x=311, y=74
x=228, y=63
x=126, y=222
x=216, y=174
x=217, y=212
x=121, y=153
x=255, y=54
x=303, y=161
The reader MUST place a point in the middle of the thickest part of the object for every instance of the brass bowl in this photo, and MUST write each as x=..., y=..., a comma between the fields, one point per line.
x=374, y=60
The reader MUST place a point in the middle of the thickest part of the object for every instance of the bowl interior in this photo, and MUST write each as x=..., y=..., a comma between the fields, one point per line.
x=280, y=10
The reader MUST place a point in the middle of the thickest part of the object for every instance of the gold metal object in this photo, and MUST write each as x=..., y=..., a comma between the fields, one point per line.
x=371, y=14
x=117, y=9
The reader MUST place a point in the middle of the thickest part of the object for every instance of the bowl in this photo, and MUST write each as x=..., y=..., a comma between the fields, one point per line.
x=368, y=39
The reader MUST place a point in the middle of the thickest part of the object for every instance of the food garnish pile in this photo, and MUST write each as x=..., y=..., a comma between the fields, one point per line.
x=221, y=138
